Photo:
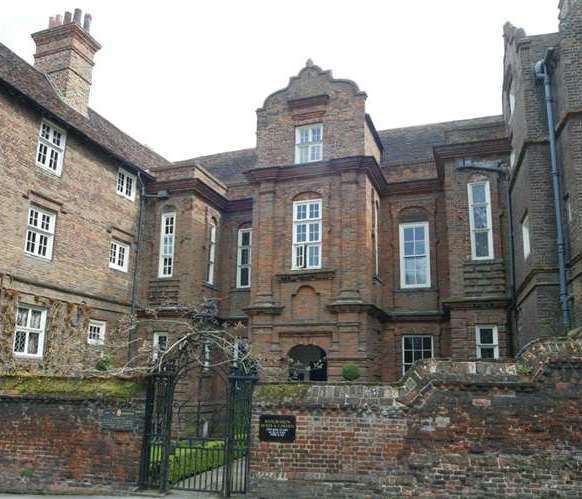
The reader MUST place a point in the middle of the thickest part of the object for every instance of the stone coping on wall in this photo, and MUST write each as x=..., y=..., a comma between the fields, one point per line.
x=26, y=386
x=519, y=375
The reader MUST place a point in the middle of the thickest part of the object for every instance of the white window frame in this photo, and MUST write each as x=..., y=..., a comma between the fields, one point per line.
x=511, y=98
x=126, y=184
x=525, y=236
x=569, y=215
x=40, y=227
x=156, y=344
x=115, y=253
x=50, y=149
x=167, y=245
x=101, y=327
x=403, y=257
x=489, y=228
x=408, y=365
x=308, y=143
x=480, y=345
x=206, y=357
x=28, y=330
x=210, y=274
x=240, y=249
x=300, y=249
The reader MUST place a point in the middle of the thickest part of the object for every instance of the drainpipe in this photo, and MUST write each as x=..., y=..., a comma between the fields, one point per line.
x=135, y=266
x=542, y=72
x=142, y=198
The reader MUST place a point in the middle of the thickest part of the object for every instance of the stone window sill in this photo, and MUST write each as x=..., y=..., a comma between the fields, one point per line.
x=306, y=275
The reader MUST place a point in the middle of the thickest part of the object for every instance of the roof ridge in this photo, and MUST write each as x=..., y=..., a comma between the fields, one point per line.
x=198, y=158
x=441, y=123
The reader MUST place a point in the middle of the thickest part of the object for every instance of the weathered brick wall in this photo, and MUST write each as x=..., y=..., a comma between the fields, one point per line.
x=453, y=429
x=57, y=444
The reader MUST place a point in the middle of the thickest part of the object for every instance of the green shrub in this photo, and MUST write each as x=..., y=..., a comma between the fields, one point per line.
x=104, y=362
x=350, y=372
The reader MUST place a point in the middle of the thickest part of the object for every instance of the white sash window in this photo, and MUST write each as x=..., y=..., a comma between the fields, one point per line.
x=243, y=274
x=480, y=221
x=167, y=243
x=308, y=143
x=119, y=256
x=211, y=253
x=307, y=229
x=126, y=184
x=414, y=255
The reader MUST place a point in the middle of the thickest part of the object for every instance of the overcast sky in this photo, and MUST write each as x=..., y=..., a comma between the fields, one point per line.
x=185, y=78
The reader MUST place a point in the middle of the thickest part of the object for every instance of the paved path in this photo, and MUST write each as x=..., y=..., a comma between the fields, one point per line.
x=172, y=495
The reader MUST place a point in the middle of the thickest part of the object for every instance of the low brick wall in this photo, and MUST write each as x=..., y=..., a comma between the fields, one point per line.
x=67, y=443
x=452, y=429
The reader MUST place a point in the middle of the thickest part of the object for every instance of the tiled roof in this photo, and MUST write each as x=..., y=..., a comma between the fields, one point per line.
x=415, y=143
x=21, y=76
x=227, y=166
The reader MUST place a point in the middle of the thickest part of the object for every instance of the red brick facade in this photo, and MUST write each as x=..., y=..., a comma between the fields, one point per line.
x=372, y=188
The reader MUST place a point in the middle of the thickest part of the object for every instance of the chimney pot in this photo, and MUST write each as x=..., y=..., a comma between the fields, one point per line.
x=68, y=17
x=51, y=22
x=87, y=23
x=77, y=16
x=58, y=20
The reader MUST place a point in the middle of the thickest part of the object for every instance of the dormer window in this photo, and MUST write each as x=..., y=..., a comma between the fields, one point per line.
x=308, y=143
x=51, y=147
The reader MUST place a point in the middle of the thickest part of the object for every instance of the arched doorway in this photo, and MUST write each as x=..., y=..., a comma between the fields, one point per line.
x=307, y=363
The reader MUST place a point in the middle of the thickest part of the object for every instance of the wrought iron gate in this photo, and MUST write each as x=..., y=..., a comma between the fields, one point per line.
x=209, y=463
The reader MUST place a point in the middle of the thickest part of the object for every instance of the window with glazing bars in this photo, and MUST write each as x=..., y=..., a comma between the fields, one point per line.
x=414, y=255
x=307, y=227
x=211, y=252
x=480, y=221
x=119, y=256
x=51, y=147
x=308, y=143
x=167, y=242
x=40, y=232
x=243, y=275
x=29, y=332
x=415, y=347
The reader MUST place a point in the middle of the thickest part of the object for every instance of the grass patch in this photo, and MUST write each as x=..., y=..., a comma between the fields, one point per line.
x=74, y=387
x=281, y=391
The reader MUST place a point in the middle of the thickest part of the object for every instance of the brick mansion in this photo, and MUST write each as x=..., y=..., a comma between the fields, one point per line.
x=333, y=242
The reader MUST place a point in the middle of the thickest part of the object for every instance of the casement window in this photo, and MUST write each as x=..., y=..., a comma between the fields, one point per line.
x=308, y=143
x=40, y=232
x=487, y=342
x=160, y=344
x=96, y=333
x=306, y=235
x=525, y=236
x=51, y=147
x=206, y=357
x=376, y=237
x=414, y=255
x=415, y=347
x=511, y=98
x=29, y=333
x=119, y=256
x=126, y=184
x=568, y=202
x=243, y=260
x=480, y=221
x=211, y=253
x=167, y=243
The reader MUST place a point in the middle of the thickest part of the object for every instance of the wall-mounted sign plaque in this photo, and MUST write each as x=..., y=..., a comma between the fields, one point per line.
x=121, y=420
x=275, y=428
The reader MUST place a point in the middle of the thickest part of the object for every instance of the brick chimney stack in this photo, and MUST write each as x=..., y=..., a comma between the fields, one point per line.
x=64, y=52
